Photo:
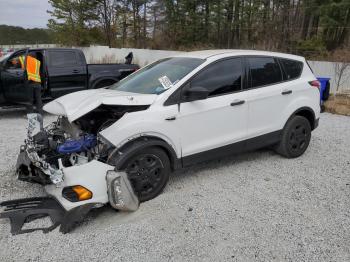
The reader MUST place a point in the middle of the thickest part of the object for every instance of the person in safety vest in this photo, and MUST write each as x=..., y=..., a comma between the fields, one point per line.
x=34, y=80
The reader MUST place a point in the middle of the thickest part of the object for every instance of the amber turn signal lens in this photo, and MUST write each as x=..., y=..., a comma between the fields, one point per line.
x=76, y=193
x=82, y=192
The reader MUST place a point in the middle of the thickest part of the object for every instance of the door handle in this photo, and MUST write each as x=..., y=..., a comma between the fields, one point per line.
x=287, y=92
x=75, y=71
x=237, y=102
x=171, y=118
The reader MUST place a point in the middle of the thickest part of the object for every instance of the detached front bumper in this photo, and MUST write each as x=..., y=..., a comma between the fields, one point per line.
x=22, y=211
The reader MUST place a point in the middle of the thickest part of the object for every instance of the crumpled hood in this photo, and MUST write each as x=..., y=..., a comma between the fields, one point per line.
x=80, y=103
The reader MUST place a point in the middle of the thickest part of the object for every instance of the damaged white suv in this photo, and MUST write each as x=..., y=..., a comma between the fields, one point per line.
x=170, y=114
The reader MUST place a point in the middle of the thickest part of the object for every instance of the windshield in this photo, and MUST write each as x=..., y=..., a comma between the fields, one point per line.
x=2, y=58
x=159, y=76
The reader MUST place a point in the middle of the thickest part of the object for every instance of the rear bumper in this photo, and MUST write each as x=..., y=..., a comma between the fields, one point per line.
x=22, y=211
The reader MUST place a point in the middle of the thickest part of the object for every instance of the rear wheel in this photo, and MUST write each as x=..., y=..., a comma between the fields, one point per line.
x=148, y=172
x=295, y=137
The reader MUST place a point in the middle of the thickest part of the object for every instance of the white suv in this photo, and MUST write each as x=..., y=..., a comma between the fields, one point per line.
x=171, y=114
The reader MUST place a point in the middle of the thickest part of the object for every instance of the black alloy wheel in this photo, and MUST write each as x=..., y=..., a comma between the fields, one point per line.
x=148, y=172
x=295, y=137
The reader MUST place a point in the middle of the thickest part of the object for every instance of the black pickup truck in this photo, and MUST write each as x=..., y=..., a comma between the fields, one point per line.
x=62, y=71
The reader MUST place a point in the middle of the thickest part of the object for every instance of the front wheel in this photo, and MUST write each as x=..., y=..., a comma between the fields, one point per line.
x=148, y=172
x=295, y=137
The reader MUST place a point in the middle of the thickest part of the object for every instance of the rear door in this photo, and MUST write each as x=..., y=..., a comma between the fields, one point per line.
x=267, y=95
x=67, y=72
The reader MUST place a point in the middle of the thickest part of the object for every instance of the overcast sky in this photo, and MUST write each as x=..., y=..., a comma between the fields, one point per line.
x=25, y=13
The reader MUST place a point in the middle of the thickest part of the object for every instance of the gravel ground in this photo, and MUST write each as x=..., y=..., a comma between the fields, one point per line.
x=253, y=207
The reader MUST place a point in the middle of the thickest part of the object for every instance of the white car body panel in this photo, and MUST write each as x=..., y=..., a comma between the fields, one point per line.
x=196, y=128
x=210, y=123
x=77, y=104
x=151, y=122
x=91, y=175
x=191, y=127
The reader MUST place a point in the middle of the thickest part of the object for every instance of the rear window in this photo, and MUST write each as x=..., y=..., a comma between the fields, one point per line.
x=63, y=58
x=264, y=71
x=292, y=69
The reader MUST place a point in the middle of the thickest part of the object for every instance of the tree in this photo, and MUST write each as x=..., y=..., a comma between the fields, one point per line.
x=308, y=27
x=72, y=20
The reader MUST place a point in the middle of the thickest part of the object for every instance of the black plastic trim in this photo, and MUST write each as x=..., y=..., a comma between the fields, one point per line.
x=310, y=110
x=120, y=156
x=22, y=211
x=239, y=147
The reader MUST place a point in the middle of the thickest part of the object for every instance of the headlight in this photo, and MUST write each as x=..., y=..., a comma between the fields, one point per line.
x=120, y=193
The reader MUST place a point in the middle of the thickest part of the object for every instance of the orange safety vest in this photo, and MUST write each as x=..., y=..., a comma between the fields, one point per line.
x=33, y=68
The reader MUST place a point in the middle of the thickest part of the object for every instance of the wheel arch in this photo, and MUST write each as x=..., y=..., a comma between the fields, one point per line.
x=122, y=154
x=306, y=112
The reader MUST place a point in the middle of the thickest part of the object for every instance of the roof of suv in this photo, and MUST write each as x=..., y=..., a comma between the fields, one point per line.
x=204, y=54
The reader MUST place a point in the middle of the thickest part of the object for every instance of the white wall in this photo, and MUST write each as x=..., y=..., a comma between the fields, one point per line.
x=327, y=69
x=100, y=54
x=141, y=56
x=29, y=46
x=145, y=56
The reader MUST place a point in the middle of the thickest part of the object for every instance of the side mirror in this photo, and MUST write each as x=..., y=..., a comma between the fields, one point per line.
x=196, y=93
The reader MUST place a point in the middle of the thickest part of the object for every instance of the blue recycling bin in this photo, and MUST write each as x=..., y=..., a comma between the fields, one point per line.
x=325, y=88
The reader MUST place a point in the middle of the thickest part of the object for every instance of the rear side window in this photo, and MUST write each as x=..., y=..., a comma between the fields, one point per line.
x=292, y=69
x=264, y=71
x=220, y=78
x=63, y=58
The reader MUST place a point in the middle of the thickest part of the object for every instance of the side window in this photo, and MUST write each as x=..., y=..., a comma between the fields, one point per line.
x=220, y=78
x=292, y=69
x=264, y=71
x=63, y=58
x=14, y=62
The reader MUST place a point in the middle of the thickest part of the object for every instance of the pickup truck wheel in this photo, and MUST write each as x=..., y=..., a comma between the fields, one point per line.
x=295, y=137
x=148, y=171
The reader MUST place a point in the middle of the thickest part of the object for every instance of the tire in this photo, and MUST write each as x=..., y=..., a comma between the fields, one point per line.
x=296, y=137
x=148, y=171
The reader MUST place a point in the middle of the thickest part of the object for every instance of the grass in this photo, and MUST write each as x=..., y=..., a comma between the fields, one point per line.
x=338, y=104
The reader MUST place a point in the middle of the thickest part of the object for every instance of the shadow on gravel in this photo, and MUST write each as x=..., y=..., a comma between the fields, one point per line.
x=12, y=113
x=181, y=175
x=104, y=214
x=15, y=113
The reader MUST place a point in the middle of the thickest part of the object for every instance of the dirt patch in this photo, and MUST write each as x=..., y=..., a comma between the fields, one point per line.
x=339, y=104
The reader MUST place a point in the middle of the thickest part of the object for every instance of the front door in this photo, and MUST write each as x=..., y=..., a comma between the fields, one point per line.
x=216, y=125
x=13, y=80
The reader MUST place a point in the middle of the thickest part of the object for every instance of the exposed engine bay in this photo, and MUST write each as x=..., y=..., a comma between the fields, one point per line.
x=63, y=144
x=70, y=160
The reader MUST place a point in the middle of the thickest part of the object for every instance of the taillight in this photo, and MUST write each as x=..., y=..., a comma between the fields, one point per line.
x=315, y=83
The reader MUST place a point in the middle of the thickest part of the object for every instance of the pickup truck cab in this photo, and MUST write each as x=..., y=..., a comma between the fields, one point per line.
x=62, y=71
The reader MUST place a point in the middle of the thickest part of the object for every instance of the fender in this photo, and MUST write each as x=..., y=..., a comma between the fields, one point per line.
x=306, y=106
x=306, y=112
x=119, y=156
